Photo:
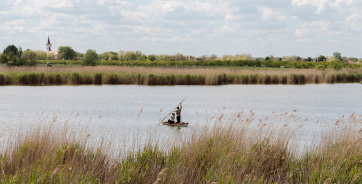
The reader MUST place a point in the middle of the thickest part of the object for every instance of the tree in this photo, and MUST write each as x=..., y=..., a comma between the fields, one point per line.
x=321, y=58
x=140, y=56
x=308, y=59
x=12, y=56
x=67, y=53
x=213, y=56
x=353, y=59
x=337, y=55
x=91, y=58
x=294, y=58
x=152, y=57
x=4, y=59
x=360, y=61
x=29, y=56
x=11, y=49
x=129, y=56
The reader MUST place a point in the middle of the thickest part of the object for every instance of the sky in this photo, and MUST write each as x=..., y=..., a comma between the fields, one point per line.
x=305, y=28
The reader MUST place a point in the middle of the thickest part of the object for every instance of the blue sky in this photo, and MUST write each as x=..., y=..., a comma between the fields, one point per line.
x=222, y=27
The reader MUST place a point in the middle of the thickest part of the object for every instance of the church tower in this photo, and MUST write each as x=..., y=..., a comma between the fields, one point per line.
x=49, y=45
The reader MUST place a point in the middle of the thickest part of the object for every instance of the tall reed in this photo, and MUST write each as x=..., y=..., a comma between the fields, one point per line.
x=236, y=150
x=171, y=76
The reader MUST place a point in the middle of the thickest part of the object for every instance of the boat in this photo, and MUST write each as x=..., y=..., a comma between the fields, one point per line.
x=182, y=124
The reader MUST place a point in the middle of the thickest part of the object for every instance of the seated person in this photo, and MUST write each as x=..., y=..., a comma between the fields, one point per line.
x=172, y=118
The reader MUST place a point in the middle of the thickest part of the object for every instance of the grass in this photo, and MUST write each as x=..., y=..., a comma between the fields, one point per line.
x=171, y=76
x=236, y=150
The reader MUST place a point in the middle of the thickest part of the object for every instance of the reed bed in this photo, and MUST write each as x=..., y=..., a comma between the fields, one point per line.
x=171, y=76
x=236, y=150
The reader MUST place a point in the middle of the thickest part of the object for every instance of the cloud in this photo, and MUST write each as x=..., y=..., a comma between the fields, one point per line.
x=354, y=21
x=14, y=26
x=195, y=27
x=270, y=14
x=319, y=4
x=310, y=29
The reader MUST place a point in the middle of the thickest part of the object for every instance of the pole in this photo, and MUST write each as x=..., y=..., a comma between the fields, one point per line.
x=171, y=111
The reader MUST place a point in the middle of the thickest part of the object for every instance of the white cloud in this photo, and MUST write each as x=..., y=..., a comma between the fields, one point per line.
x=14, y=26
x=304, y=40
x=270, y=14
x=354, y=21
x=320, y=4
x=210, y=25
x=340, y=3
x=135, y=16
x=310, y=29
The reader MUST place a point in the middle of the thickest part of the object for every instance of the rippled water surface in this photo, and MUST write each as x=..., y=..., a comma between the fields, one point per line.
x=125, y=110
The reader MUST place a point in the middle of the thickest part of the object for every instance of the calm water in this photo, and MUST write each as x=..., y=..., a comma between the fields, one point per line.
x=122, y=110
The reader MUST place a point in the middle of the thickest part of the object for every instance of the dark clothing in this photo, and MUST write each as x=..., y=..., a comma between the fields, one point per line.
x=169, y=121
x=178, y=119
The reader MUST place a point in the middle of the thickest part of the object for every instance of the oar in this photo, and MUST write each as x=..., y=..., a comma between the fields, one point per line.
x=171, y=111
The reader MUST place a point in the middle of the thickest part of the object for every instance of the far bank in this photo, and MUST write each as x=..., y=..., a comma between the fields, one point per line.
x=124, y=75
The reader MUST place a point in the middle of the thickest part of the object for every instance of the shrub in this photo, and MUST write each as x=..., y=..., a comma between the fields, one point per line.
x=320, y=67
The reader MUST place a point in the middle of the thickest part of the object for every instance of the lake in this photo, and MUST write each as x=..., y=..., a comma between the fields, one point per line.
x=128, y=110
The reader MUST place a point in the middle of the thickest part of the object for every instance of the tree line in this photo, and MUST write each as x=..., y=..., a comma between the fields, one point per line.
x=14, y=56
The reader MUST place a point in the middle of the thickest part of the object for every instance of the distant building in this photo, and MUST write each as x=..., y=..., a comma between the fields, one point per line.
x=49, y=50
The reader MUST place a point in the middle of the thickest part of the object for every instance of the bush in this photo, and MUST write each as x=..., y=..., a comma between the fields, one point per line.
x=320, y=67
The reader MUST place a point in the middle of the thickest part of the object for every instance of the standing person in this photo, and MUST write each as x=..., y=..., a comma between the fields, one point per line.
x=172, y=118
x=178, y=113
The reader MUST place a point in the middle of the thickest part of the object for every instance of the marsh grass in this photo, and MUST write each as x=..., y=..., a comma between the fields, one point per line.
x=170, y=76
x=240, y=149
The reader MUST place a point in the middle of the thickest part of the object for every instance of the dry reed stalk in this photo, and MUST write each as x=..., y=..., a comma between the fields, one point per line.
x=236, y=150
x=171, y=76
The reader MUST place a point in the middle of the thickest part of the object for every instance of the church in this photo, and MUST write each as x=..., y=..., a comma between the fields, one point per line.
x=49, y=50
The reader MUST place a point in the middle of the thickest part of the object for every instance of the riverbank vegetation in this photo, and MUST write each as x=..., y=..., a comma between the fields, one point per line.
x=238, y=150
x=213, y=63
x=171, y=76
x=13, y=56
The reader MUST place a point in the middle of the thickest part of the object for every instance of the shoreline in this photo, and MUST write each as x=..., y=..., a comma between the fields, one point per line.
x=123, y=75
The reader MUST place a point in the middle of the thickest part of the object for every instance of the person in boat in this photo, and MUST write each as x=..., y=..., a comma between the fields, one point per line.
x=172, y=118
x=178, y=113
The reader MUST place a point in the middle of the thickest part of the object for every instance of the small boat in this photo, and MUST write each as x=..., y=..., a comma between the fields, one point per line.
x=182, y=124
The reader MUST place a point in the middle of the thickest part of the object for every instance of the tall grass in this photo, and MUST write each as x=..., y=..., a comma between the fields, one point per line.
x=170, y=76
x=238, y=150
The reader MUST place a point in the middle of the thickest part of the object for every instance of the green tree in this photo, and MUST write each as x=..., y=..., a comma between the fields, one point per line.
x=353, y=59
x=4, y=59
x=308, y=59
x=12, y=56
x=321, y=58
x=152, y=57
x=67, y=53
x=11, y=49
x=91, y=58
x=337, y=55
x=39, y=54
x=294, y=58
x=30, y=57
x=130, y=56
x=140, y=56
x=360, y=61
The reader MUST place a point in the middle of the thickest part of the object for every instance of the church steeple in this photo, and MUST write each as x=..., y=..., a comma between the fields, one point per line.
x=49, y=45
